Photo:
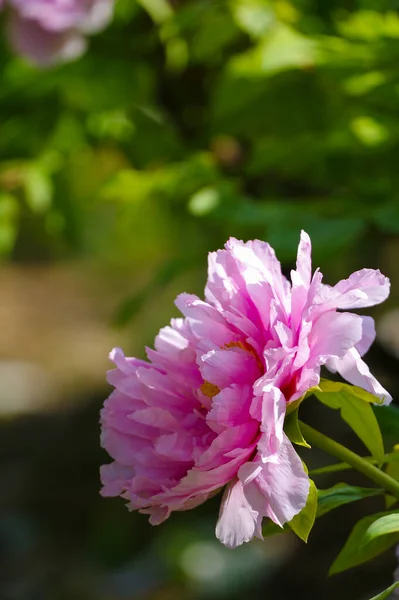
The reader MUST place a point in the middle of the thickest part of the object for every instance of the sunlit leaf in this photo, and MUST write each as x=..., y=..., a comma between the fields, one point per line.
x=292, y=429
x=370, y=537
x=159, y=10
x=369, y=131
x=38, y=188
x=355, y=408
x=303, y=522
x=255, y=17
x=281, y=50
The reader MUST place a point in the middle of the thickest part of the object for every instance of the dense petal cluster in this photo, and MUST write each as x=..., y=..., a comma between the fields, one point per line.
x=51, y=31
x=207, y=409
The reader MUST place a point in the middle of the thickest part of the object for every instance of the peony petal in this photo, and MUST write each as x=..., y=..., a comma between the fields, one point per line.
x=205, y=321
x=333, y=335
x=42, y=46
x=368, y=335
x=236, y=438
x=281, y=488
x=273, y=412
x=238, y=522
x=226, y=367
x=230, y=407
x=115, y=478
x=363, y=288
x=303, y=274
x=352, y=368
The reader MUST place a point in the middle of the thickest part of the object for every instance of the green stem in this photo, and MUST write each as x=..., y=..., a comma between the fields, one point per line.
x=342, y=466
x=332, y=447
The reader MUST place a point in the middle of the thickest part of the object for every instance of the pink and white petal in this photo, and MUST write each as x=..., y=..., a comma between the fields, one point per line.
x=333, y=335
x=230, y=407
x=363, y=288
x=225, y=287
x=122, y=447
x=228, y=366
x=307, y=379
x=237, y=438
x=257, y=257
x=303, y=274
x=238, y=522
x=273, y=412
x=115, y=478
x=198, y=481
x=122, y=422
x=177, y=446
x=41, y=46
x=352, y=368
x=155, y=417
x=205, y=320
x=122, y=403
x=280, y=489
x=158, y=514
x=368, y=335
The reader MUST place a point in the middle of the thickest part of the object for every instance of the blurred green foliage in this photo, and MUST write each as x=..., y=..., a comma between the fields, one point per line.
x=189, y=121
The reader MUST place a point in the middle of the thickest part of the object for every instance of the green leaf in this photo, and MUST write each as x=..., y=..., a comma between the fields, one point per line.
x=386, y=593
x=282, y=49
x=303, y=522
x=370, y=537
x=292, y=429
x=159, y=10
x=392, y=469
x=255, y=17
x=388, y=420
x=38, y=189
x=292, y=406
x=354, y=405
x=340, y=494
x=326, y=385
x=9, y=213
x=271, y=528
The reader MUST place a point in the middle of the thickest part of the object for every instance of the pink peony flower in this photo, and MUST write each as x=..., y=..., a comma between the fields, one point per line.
x=208, y=408
x=50, y=31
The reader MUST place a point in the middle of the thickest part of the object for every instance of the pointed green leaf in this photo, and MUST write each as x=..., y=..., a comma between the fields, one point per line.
x=303, y=522
x=354, y=405
x=326, y=385
x=370, y=537
x=386, y=593
x=292, y=429
x=340, y=494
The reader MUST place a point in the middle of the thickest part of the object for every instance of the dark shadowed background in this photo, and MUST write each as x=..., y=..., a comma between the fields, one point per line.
x=186, y=122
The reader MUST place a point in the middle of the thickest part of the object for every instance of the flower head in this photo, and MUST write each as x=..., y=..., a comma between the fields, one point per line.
x=207, y=409
x=50, y=31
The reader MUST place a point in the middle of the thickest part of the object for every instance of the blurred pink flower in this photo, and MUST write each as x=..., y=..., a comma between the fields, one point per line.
x=51, y=31
x=208, y=408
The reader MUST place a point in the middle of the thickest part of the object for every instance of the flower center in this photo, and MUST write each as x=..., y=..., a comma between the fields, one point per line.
x=209, y=389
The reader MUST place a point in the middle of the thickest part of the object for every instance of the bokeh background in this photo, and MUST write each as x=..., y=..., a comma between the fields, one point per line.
x=185, y=122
